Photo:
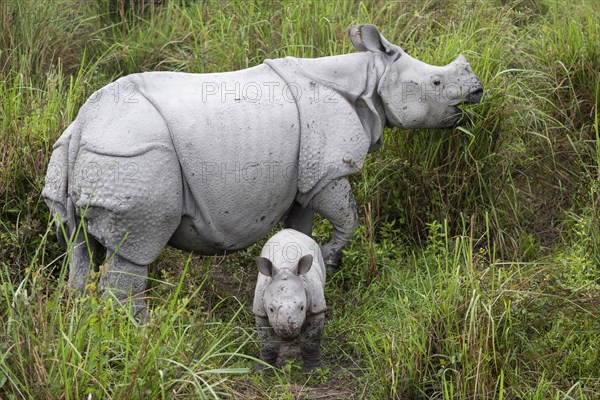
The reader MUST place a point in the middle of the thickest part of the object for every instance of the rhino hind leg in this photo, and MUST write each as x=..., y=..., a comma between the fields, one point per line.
x=126, y=281
x=84, y=261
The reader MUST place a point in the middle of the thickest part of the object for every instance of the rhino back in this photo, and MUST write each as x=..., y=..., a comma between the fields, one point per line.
x=237, y=141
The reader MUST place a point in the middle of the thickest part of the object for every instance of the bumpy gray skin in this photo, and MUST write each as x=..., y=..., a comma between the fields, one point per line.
x=289, y=300
x=210, y=163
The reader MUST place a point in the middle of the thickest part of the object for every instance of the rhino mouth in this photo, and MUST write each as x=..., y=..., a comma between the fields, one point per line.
x=474, y=97
x=458, y=115
x=455, y=117
x=288, y=334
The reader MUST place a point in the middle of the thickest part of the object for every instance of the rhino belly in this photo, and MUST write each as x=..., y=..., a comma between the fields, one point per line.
x=237, y=137
x=188, y=238
x=240, y=216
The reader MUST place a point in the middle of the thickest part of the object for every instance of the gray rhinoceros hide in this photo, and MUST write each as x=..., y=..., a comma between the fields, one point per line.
x=208, y=172
x=212, y=162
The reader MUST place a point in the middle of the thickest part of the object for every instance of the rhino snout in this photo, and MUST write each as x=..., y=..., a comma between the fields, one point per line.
x=289, y=324
x=475, y=94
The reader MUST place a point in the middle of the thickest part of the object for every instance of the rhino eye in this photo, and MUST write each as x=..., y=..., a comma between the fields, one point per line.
x=301, y=308
x=271, y=309
x=437, y=82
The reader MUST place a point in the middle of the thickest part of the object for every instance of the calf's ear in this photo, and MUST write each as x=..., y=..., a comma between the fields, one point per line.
x=367, y=37
x=304, y=264
x=265, y=266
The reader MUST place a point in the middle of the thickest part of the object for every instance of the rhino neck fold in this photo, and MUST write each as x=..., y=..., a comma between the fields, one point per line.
x=341, y=115
x=351, y=77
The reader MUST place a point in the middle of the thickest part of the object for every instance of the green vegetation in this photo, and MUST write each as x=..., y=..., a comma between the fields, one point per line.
x=475, y=273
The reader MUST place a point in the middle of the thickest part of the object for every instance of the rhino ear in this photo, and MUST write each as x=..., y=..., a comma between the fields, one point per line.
x=265, y=266
x=304, y=264
x=367, y=37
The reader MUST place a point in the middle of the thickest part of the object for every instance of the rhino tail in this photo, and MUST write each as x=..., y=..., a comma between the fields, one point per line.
x=55, y=192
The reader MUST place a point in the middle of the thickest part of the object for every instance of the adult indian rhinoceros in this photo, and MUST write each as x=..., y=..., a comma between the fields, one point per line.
x=210, y=163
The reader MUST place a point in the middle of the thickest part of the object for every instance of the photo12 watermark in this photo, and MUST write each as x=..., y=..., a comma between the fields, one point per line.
x=254, y=92
x=92, y=172
x=291, y=252
x=205, y=172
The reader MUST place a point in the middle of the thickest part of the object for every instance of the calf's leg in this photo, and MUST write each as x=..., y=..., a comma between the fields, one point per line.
x=310, y=342
x=270, y=342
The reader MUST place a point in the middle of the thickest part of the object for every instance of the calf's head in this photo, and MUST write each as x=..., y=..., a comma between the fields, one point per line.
x=284, y=298
x=415, y=94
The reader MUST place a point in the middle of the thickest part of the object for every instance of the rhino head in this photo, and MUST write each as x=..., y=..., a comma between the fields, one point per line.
x=285, y=299
x=415, y=94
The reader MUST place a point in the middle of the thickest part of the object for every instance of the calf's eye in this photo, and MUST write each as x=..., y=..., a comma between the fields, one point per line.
x=437, y=82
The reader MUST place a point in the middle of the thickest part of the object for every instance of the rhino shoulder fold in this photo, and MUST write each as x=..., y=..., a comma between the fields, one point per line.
x=340, y=119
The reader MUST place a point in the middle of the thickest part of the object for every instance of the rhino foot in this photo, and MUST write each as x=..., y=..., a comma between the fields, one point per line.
x=331, y=268
x=139, y=308
x=263, y=369
x=332, y=255
x=125, y=281
x=309, y=368
x=269, y=344
x=336, y=203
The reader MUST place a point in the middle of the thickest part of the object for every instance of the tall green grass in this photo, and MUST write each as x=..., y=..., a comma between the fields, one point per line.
x=473, y=275
x=56, y=345
x=471, y=328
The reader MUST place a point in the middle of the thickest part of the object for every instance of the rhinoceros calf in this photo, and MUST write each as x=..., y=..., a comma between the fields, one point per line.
x=289, y=300
x=210, y=163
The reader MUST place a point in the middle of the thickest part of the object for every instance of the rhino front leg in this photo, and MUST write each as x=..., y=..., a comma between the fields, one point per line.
x=310, y=342
x=300, y=219
x=126, y=280
x=269, y=341
x=84, y=261
x=335, y=202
